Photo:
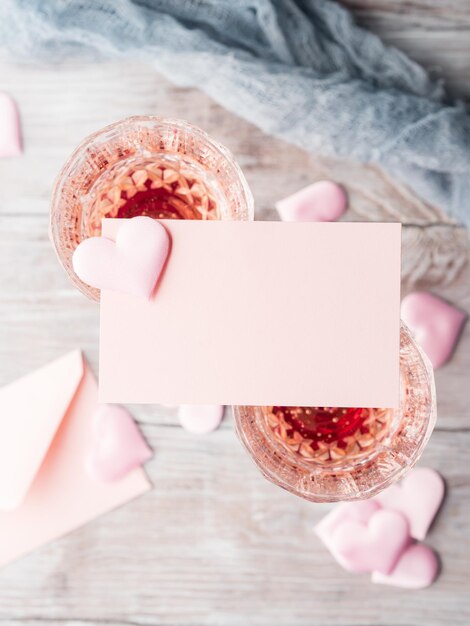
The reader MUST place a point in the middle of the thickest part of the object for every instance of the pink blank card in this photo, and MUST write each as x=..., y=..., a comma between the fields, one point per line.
x=260, y=313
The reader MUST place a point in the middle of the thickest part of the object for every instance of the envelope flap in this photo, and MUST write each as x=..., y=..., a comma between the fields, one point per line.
x=31, y=410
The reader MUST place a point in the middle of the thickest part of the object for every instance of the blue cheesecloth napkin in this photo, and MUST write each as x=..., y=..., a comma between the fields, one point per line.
x=300, y=70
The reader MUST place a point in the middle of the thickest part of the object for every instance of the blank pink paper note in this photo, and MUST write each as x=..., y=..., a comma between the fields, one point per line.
x=260, y=313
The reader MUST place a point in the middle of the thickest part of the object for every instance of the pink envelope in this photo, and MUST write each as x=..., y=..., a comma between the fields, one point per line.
x=45, y=436
x=260, y=313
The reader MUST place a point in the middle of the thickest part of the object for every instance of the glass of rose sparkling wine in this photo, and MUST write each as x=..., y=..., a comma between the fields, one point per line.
x=169, y=169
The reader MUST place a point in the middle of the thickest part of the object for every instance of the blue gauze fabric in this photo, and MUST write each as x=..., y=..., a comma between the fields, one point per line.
x=298, y=69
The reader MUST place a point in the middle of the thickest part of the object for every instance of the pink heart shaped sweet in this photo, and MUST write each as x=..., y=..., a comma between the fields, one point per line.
x=418, y=497
x=435, y=324
x=417, y=568
x=131, y=265
x=10, y=133
x=323, y=201
x=200, y=419
x=117, y=446
x=375, y=546
x=360, y=511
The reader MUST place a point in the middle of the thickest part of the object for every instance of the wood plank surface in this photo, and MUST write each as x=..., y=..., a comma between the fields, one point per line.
x=214, y=543
x=436, y=33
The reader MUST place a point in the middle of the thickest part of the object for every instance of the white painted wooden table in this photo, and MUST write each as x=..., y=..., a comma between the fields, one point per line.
x=214, y=543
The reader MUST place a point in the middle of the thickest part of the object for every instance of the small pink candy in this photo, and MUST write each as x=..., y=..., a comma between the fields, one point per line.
x=118, y=446
x=376, y=546
x=418, y=497
x=10, y=134
x=360, y=511
x=417, y=568
x=131, y=265
x=435, y=324
x=323, y=201
x=200, y=418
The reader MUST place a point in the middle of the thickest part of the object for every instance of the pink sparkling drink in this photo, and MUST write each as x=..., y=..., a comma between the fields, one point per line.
x=151, y=166
x=167, y=168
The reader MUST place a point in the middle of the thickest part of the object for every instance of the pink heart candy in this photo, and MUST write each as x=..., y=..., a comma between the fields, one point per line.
x=132, y=265
x=200, y=418
x=360, y=511
x=10, y=134
x=435, y=324
x=417, y=568
x=117, y=446
x=375, y=546
x=323, y=201
x=418, y=497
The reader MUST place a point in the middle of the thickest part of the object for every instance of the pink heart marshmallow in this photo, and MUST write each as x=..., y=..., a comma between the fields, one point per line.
x=117, y=446
x=376, y=546
x=360, y=511
x=131, y=265
x=323, y=201
x=417, y=568
x=10, y=133
x=435, y=324
x=418, y=497
x=200, y=419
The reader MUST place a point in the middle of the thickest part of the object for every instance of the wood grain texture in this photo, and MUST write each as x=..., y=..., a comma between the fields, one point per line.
x=214, y=543
x=436, y=33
